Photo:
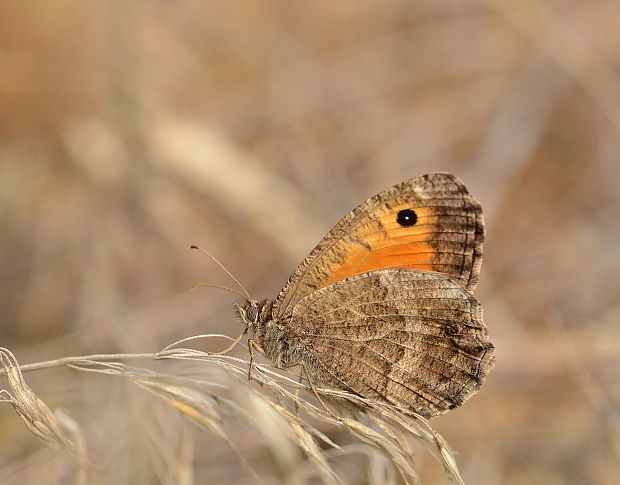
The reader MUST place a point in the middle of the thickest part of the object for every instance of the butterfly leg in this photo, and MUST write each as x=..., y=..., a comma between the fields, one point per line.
x=252, y=345
x=304, y=366
x=297, y=393
x=231, y=346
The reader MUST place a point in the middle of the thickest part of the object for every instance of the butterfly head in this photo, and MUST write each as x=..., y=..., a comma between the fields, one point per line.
x=253, y=312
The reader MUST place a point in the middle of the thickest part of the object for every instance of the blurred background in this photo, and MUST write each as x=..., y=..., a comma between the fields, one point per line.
x=130, y=130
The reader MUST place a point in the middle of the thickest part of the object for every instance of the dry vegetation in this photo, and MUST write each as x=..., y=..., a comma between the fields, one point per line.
x=130, y=130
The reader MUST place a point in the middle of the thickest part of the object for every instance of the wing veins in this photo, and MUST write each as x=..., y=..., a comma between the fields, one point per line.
x=339, y=323
x=458, y=350
x=354, y=357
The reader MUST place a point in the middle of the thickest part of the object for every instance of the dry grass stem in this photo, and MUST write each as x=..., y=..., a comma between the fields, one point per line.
x=36, y=415
x=296, y=419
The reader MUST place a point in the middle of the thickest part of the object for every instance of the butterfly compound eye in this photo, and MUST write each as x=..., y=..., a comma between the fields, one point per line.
x=407, y=217
x=252, y=314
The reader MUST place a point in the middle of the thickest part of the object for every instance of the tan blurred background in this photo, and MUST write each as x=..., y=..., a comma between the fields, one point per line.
x=130, y=130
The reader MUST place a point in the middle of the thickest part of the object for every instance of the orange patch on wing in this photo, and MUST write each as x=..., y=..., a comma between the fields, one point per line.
x=386, y=244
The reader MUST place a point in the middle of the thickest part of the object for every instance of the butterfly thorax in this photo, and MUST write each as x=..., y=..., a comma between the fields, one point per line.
x=266, y=332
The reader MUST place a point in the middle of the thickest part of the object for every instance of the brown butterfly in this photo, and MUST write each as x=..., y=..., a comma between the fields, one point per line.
x=382, y=307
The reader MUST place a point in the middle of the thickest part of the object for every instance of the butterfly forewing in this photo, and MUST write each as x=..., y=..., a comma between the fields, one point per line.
x=428, y=223
x=410, y=338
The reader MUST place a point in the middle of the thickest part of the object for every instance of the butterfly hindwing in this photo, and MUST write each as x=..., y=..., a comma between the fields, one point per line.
x=409, y=338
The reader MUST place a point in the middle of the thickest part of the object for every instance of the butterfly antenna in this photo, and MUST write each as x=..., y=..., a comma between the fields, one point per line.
x=245, y=292
x=211, y=285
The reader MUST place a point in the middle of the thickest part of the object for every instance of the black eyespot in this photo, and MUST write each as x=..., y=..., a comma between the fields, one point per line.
x=407, y=217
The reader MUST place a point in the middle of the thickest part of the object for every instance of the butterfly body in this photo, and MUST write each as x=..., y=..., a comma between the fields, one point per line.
x=268, y=334
x=382, y=307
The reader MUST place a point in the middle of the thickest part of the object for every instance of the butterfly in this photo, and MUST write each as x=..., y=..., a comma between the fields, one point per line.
x=382, y=307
